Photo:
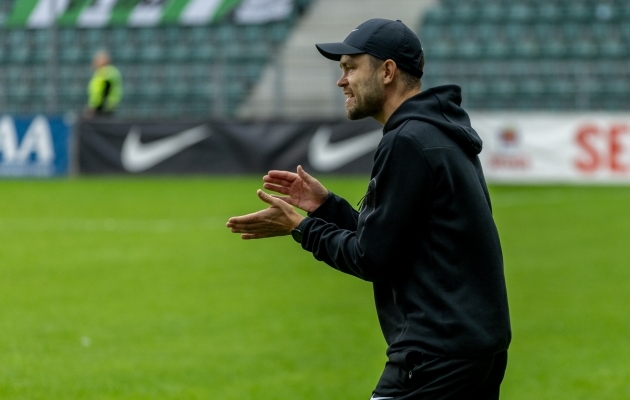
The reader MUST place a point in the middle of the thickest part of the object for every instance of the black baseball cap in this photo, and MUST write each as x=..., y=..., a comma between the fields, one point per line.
x=382, y=38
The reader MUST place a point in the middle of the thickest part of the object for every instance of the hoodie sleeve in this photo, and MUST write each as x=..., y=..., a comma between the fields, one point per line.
x=398, y=198
x=337, y=211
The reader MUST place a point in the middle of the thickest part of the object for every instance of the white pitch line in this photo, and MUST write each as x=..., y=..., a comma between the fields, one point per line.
x=110, y=225
x=505, y=200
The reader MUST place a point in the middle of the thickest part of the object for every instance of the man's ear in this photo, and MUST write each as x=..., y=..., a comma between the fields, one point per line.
x=389, y=71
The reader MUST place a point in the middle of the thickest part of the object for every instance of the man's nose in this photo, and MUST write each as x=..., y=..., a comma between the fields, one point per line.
x=342, y=81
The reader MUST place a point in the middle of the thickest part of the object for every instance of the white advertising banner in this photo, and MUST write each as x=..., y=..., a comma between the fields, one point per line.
x=554, y=147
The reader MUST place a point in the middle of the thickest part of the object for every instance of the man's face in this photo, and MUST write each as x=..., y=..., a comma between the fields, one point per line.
x=99, y=61
x=365, y=95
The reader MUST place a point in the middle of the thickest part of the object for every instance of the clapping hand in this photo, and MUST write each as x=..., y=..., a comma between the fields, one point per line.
x=277, y=220
x=301, y=190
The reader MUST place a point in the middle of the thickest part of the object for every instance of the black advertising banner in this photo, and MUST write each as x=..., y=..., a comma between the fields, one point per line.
x=219, y=147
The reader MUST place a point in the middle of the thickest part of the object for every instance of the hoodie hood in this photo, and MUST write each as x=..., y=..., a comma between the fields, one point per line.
x=439, y=106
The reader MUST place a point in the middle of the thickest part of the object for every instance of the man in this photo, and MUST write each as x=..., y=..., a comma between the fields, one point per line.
x=424, y=236
x=105, y=88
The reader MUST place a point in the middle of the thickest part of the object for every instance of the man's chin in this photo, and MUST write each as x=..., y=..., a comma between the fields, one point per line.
x=353, y=114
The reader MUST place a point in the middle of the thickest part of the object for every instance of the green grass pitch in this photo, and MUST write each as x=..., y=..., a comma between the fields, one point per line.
x=133, y=289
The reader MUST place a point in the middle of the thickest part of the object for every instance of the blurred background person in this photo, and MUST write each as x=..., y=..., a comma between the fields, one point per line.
x=105, y=88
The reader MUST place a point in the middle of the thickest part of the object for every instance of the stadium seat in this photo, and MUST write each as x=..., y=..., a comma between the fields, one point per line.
x=549, y=11
x=188, y=62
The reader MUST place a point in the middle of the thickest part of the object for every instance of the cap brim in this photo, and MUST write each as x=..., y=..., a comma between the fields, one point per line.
x=334, y=51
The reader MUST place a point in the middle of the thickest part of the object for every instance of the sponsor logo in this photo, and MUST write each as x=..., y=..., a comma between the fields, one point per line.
x=603, y=148
x=137, y=156
x=509, y=154
x=34, y=154
x=509, y=138
x=325, y=156
x=379, y=398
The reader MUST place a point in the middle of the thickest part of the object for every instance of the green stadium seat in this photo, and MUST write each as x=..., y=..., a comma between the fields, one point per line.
x=613, y=48
x=497, y=49
x=486, y=32
x=578, y=11
x=526, y=48
x=492, y=12
x=468, y=49
x=617, y=86
x=553, y=47
x=502, y=87
x=180, y=53
x=515, y=32
x=205, y=51
x=19, y=55
x=560, y=86
x=583, y=49
x=95, y=40
x=549, y=11
x=464, y=13
x=124, y=52
x=178, y=89
x=278, y=32
x=40, y=39
x=543, y=31
x=572, y=31
x=520, y=12
x=441, y=49
x=252, y=33
x=437, y=15
x=151, y=52
x=173, y=35
x=202, y=34
x=428, y=33
x=475, y=88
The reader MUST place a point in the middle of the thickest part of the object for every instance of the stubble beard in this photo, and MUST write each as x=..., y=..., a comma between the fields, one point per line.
x=368, y=102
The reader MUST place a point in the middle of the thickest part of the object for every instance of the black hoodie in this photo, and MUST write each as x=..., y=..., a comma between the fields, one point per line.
x=424, y=235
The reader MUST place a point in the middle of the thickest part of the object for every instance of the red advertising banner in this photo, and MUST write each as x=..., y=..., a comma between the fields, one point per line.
x=552, y=147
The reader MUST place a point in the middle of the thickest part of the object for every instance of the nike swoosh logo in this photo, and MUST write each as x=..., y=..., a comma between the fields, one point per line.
x=380, y=398
x=137, y=156
x=325, y=156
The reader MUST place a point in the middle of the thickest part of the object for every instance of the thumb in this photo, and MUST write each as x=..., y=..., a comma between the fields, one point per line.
x=267, y=198
x=302, y=174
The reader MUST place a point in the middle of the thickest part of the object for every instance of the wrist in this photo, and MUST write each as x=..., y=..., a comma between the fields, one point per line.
x=296, y=221
x=320, y=202
x=296, y=232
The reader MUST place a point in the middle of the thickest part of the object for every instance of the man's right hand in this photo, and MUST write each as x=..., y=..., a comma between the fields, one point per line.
x=302, y=190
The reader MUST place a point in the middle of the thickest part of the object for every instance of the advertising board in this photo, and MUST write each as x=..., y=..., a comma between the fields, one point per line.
x=552, y=147
x=517, y=147
x=34, y=146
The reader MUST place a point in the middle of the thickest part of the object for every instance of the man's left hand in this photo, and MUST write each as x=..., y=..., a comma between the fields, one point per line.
x=277, y=220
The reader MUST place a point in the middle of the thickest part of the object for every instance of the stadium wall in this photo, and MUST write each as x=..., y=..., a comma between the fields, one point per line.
x=523, y=148
x=529, y=148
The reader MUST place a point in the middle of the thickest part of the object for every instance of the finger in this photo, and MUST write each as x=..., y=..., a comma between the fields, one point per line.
x=286, y=175
x=249, y=236
x=249, y=218
x=267, y=198
x=287, y=200
x=305, y=176
x=277, y=181
x=256, y=227
x=276, y=188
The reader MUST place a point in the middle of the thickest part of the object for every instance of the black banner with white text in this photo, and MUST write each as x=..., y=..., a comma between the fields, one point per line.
x=215, y=147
